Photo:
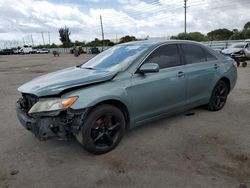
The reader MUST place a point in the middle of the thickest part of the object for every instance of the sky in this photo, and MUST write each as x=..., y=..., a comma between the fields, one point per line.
x=22, y=20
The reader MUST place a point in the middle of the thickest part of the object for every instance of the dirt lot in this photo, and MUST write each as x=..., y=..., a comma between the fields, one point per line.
x=207, y=149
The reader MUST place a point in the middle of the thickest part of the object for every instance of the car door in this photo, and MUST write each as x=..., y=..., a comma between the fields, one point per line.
x=201, y=68
x=162, y=92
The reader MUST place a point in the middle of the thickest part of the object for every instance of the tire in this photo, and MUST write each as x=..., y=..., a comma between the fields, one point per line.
x=102, y=130
x=219, y=96
x=244, y=64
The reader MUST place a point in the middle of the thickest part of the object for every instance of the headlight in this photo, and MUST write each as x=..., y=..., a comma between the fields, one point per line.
x=47, y=105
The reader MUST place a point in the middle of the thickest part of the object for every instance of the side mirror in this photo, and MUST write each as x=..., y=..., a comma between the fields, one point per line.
x=149, y=68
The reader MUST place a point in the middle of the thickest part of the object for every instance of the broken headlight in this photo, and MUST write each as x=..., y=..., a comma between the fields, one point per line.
x=55, y=104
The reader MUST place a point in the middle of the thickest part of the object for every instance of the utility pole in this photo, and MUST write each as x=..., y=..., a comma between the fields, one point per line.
x=43, y=38
x=102, y=32
x=49, y=37
x=32, y=40
x=185, y=17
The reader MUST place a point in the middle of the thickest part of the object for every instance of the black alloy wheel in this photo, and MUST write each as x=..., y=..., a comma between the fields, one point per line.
x=219, y=96
x=103, y=129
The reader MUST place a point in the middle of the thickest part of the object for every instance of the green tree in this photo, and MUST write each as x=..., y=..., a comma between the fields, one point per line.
x=98, y=42
x=220, y=34
x=53, y=45
x=64, y=34
x=246, y=33
x=237, y=35
x=94, y=43
x=127, y=38
x=196, y=36
x=247, y=25
x=246, y=30
x=181, y=36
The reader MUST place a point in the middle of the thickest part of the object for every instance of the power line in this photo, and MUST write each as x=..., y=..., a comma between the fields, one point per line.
x=43, y=38
x=49, y=37
x=32, y=40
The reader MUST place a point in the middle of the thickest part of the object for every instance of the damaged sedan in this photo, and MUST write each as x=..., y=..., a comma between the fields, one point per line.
x=125, y=86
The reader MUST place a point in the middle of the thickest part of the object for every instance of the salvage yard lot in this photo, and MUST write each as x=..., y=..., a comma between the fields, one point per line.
x=197, y=148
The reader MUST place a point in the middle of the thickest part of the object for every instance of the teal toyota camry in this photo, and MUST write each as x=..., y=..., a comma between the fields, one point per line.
x=123, y=87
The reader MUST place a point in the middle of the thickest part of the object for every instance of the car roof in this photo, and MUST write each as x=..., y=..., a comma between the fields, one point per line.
x=158, y=42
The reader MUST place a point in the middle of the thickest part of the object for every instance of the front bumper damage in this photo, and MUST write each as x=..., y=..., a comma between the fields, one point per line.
x=46, y=126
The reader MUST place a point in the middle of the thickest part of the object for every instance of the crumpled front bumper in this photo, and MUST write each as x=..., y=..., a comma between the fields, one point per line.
x=47, y=127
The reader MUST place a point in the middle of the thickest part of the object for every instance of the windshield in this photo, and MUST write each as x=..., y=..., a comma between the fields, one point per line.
x=237, y=46
x=116, y=58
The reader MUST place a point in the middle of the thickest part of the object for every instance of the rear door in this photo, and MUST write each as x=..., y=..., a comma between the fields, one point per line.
x=201, y=68
x=162, y=92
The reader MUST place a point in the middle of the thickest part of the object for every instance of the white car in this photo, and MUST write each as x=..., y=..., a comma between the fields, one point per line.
x=26, y=50
x=241, y=49
x=42, y=51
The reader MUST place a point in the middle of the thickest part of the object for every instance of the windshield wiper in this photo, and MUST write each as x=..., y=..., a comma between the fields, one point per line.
x=80, y=66
x=90, y=68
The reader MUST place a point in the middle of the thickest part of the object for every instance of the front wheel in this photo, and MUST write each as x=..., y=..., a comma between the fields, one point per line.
x=218, y=97
x=103, y=129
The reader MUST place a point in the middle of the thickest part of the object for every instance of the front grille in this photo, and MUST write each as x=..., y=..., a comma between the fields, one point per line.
x=28, y=101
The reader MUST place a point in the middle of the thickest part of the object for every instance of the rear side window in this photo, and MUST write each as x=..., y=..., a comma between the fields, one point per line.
x=209, y=56
x=193, y=53
x=165, y=56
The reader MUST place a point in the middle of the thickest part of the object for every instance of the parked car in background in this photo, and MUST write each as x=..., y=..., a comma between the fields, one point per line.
x=123, y=87
x=16, y=51
x=240, y=52
x=241, y=49
x=95, y=50
x=6, y=52
x=27, y=50
x=42, y=51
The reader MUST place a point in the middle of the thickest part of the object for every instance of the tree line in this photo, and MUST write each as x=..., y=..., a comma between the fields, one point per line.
x=218, y=34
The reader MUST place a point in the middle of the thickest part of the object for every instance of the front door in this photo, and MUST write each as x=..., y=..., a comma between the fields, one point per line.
x=163, y=92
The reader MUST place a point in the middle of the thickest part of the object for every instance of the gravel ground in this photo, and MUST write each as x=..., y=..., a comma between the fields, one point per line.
x=192, y=149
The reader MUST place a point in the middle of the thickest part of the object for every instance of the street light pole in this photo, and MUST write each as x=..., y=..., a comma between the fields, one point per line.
x=102, y=32
x=185, y=16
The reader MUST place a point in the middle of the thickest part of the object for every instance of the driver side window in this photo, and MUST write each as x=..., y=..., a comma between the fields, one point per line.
x=165, y=56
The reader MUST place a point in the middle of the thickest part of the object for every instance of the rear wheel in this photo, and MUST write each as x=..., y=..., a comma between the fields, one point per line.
x=103, y=129
x=244, y=64
x=218, y=97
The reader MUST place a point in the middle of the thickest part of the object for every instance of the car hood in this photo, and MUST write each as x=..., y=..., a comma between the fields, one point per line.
x=231, y=50
x=55, y=82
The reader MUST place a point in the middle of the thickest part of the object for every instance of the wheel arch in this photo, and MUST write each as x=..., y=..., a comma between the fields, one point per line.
x=120, y=105
x=227, y=81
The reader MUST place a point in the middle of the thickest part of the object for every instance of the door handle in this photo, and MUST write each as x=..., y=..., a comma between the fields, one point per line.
x=216, y=66
x=180, y=74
